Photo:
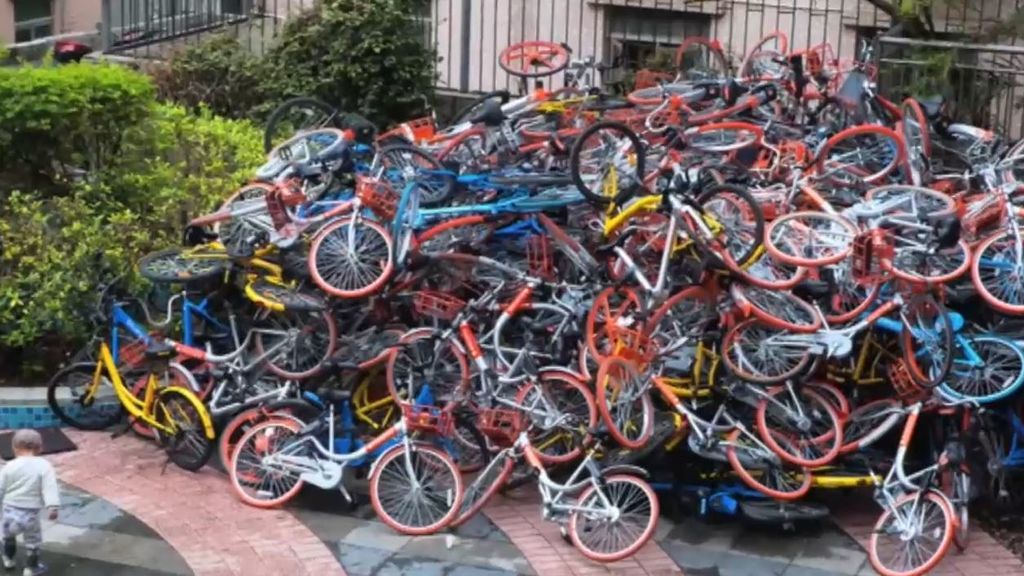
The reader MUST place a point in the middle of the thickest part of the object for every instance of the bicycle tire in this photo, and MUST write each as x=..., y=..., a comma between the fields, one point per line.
x=639, y=160
x=383, y=267
x=578, y=438
x=757, y=481
x=782, y=243
x=830, y=440
x=869, y=422
x=480, y=491
x=318, y=106
x=201, y=440
x=172, y=266
x=291, y=370
x=895, y=147
x=474, y=452
x=260, y=437
x=85, y=372
x=611, y=374
x=933, y=560
x=1011, y=353
x=433, y=524
x=748, y=208
x=243, y=421
x=608, y=487
x=935, y=374
x=460, y=380
x=995, y=278
x=466, y=111
x=435, y=185
x=737, y=365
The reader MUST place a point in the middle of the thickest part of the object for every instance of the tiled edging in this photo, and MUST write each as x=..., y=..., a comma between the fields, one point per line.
x=26, y=407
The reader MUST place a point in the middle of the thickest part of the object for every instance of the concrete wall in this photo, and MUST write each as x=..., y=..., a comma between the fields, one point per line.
x=76, y=16
x=6, y=22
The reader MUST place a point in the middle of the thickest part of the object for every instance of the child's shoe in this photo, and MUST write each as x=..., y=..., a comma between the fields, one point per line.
x=9, y=563
x=39, y=569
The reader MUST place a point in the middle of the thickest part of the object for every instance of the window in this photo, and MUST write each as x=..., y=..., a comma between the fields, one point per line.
x=423, y=22
x=33, y=19
x=646, y=38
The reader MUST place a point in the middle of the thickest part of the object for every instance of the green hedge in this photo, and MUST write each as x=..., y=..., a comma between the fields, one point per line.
x=158, y=165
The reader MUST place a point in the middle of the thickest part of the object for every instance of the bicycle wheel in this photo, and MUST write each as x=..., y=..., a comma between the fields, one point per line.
x=422, y=359
x=869, y=422
x=912, y=536
x=296, y=115
x=763, y=59
x=722, y=136
x=189, y=445
x=759, y=468
x=624, y=403
x=240, y=423
x=698, y=58
x=851, y=298
x=871, y=152
x=477, y=105
x=985, y=369
x=762, y=354
x=488, y=483
x=351, y=258
x=463, y=233
x=998, y=273
x=178, y=266
x=682, y=320
x=735, y=217
x=402, y=165
x=916, y=134
x=925, y=266
x=806, y=420
x=956, y=485
x=173, y=374
x=614, y=535
x=810, y=239
x=581, y=259
x=927, y=339
x=256, y=481
x=415, y=489
x=235, y=232
x=607, y=157
x=314, y=336
x=77, y=403
x=560, y=410
x=781, y=310
x=767, y=272
x=613, y=306
x=916, y=201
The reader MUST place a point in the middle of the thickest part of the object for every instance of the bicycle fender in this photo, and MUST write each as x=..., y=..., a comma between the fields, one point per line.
x=204, y=415
x=625, y=469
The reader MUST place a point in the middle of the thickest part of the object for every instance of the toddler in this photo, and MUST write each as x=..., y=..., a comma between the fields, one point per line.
x=27, y=485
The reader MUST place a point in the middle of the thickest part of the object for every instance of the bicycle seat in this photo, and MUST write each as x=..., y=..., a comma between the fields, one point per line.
x=160, y=351
x=932, y=106
x=813, y=290
x=947, y=231
x=491, y=115
x=333, y=395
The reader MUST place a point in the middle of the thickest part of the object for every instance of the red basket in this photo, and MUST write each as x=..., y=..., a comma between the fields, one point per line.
x=903, y=383
x=538, y=257
x=132, y=354
x=426, y=418
x=501, y=426
x=414, y=131
x=648, y=78
x=869, y=249
x=437, y=305
x=378, y=196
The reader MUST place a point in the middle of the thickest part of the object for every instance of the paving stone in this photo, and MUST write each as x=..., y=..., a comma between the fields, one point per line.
x=361, y=560
x=411, y=567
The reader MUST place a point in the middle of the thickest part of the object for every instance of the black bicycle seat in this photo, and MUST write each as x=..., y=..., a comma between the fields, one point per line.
x=932, y=106
x=160, y=351
x=491, y=115
x=947, y=231
x=333, y=395
x=813, y=290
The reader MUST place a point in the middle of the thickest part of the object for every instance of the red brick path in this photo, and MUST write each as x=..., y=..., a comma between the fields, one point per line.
x=548, y=554
x=197, y=514
x=983, y=557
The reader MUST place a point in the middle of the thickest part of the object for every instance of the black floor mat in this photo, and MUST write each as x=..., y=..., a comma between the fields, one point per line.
x=54, y=441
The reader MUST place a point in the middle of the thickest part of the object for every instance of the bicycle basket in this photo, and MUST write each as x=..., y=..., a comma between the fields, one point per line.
x=378, y=196
x=501, y=426
x=538, y=257
x=437, y=305
x=906, y=388
x=869, y=248
x=425, y=418
x=132, y=354
x=649, y=78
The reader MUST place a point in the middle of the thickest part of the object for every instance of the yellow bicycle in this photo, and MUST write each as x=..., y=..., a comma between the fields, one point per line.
x=94, y=397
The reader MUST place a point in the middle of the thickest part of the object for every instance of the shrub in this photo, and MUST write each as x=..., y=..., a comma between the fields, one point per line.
x=171, y=164
x=54, y=118
x=219, y=74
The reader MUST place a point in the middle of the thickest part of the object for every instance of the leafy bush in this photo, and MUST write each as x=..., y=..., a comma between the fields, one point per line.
x=219, y=74
x=171, y=164
x=55, y=118
x=365, y=56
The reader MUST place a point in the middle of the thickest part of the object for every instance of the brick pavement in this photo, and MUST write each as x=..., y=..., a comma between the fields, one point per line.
x=542, y=544
x=197, y=514
x=983, y=556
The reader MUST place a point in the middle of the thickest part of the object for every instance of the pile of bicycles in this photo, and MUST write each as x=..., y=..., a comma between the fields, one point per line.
x=756, y=283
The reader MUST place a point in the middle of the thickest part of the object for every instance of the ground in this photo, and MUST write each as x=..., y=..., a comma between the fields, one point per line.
x=125, y=514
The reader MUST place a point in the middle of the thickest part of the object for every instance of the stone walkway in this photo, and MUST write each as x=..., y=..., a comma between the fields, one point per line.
x=126, y=515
